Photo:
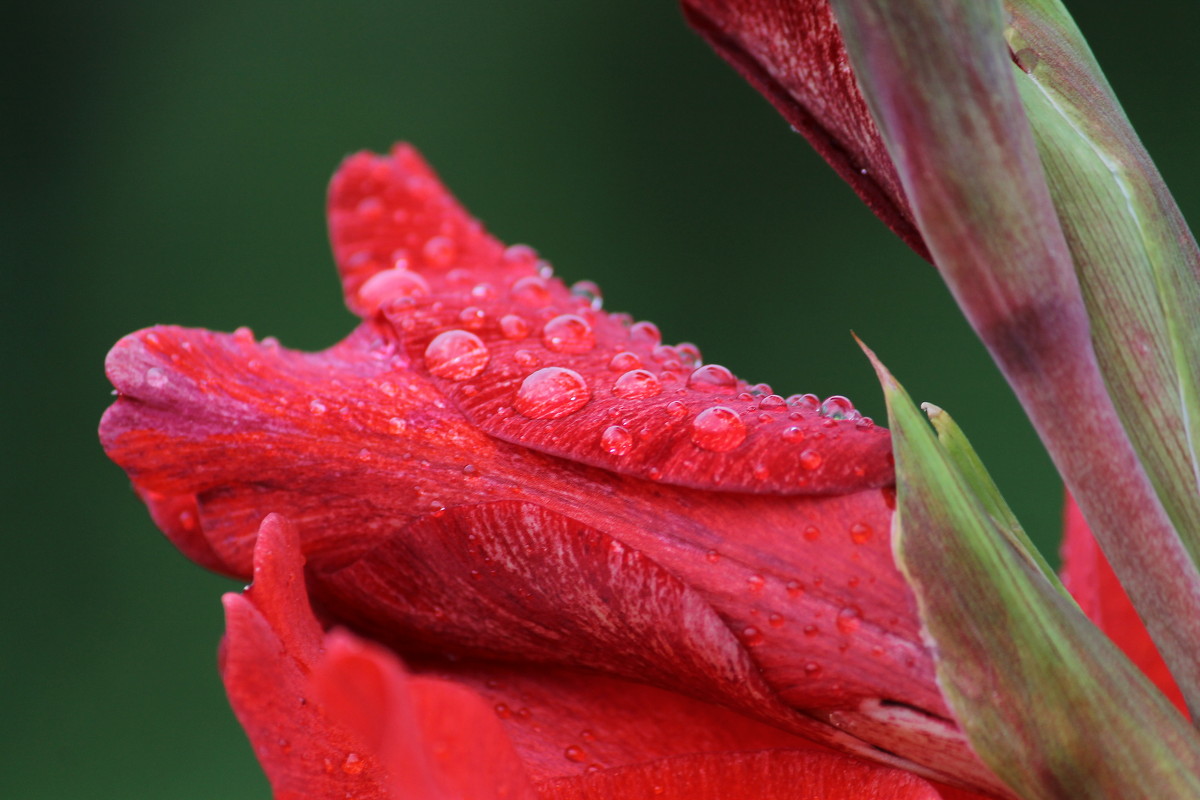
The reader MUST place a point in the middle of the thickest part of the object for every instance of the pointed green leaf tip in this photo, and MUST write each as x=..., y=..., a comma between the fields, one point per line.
x=1046, y=700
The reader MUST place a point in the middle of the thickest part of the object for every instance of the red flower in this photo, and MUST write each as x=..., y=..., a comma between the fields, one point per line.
x=490, y=466
x=332, y=716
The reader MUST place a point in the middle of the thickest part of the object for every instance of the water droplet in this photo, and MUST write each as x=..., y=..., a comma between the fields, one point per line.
x=804, y=402
x=810, y=459
x=677, y=409
x=812, y=533
x=513, y=327
x=712, y=378
x=503, y=711
x=811, y=630
x=812, y=669
x=772, y=402
x=353, y=764
x=470, y=469
x=1026, y=59
x=889, y=496
x=864, y=423
x=531, y=291
x=624, y=361
x=792, y=434
x=364, y=454
x=575, y=753
x=391, y=284
x=616, y=440
x=589, y=293
x=712, y=556
x=483, y=291
x=760, y=472
x=645, y=332
x=526, y=358
x=838, y=407
x=524, y=713
x=317, y=407
x=552, y=392
x=756, y=582
x=689, y=354
x=568, y=333
x=776, y=620
x=156, y=378
x=654, y=473
x=860, y=533
x=794, y=588
x=397, y=425
x=472, y=317
x=752, y=636
x=718, y=429
x=848, y=619
x=520, y=254
x=637, y=384
x=456, y=355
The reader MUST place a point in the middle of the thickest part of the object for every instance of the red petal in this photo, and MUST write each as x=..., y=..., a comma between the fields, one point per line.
x=1092, y=582
x=534, y=364
x=793, y=53
x=434, y=738
x=271, y=644
x=766, y=775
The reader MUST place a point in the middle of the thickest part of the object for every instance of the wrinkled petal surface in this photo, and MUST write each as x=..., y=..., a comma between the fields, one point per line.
x=489, y=465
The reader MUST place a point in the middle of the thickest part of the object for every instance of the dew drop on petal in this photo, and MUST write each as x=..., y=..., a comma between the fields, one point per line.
x=526, y=358
x=439, y=251
x=353, y=764
x=589, y=293
x=689, y=354
x=552, y=392
x=531, y=291
x=756, y=582
x=712, y=556
x=317, y=407
x=804, y=402
x=860, y=533
x=810, y=459
x=812, y=533
x=838, y=407
x=812, y=669
x=712, y=378
x=575, y=753
x=616, y=440
x=645, y=332
x=503, y=711
x=156, y=378
x=513, y=327
x=794, y=588
x=776, y=620
x=718, y=429
x=472, y=317
x=456, y=355
x=624, y=361
x=811, y=630
x=391, y=284
x=848, y=619
x=568, y=333
x=677, y=409
x=637, y=384
x=752, y=636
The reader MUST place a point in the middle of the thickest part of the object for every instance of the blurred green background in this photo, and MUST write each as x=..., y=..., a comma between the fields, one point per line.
x=167, y=162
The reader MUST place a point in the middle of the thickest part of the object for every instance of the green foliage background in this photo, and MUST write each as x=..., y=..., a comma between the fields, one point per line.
x=166, y=162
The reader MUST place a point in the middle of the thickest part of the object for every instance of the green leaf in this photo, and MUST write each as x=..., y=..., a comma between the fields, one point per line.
x=1136, y=260
x=1046, y=700
x=939, y=80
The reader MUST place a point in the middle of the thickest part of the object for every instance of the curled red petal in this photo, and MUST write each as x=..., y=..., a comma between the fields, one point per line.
x=793, y=53
x=434, y=738
x=271, y=645
x=535, y=364
x=1091, y=581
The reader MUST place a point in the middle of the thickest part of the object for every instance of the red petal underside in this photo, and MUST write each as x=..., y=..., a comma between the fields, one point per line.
x=1092, y=582
x=535, y=364
x=272, y=642
x=793, y=54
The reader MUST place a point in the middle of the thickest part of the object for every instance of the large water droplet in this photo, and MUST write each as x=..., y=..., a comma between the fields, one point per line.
x=391, y=284
x=589, y=293
x=456, y=355
x=712, y=378
x=439, y=251
x=718, y=429
x=637, y=384
x=552, y=392
x=616, y=440
x=804, y=402
x=752, y=636
x=811, y=459
x=568, y=333
x=575, y=753
x=838, y=407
